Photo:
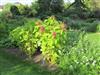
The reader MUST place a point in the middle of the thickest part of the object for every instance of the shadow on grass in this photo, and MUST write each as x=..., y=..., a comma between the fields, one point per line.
x=12, y=65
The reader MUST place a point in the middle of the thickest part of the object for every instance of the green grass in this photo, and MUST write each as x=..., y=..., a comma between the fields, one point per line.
x=94, y=37
x=12, y=65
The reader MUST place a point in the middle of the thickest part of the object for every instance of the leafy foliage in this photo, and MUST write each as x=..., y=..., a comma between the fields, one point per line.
x=49, y=7
x=83, y=56
x=50, y=39
x=27, y=11
x=7, y=24
x=98, y=28
x=89, y=25
x=37, y=34
x=25, y=39
x=14, y=10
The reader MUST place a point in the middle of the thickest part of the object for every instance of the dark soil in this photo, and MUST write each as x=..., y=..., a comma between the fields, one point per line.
x=16, y=52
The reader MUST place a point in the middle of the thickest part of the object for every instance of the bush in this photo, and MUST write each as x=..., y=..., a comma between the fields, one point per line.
x=7, y=24
x=88, y=26
x=26, y=11
x=98, y=28
x=45, y=34
x=7, y=7
x=50, y=39
x=24, y=38
x=2, y=31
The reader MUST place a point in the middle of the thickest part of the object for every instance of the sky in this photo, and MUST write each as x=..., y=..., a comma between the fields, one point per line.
x=2, y=2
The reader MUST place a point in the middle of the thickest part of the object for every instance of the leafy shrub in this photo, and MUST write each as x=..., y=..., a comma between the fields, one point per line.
x=2, y=31
x=82, y=59
x=4, y=39
x=24, y=37
x=50, y=39
x=6, y=8
x=98, y=28
x=26, y=11
x=2, y=28
x=7, y=24
x=45, y=34
x=88, y=26
x=11, y=23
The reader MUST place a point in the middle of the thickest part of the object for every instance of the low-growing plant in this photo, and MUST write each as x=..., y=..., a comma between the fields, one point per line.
x=82, y=59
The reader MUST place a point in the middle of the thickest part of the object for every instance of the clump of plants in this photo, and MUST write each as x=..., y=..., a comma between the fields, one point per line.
x=71, y=50
x=45, y=34
x=82, y=58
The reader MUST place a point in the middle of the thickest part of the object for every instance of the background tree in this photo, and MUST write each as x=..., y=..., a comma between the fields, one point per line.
x=14, y=10
x=57, y=6
x=54, y=6
x=44, y=5
x=79, y=4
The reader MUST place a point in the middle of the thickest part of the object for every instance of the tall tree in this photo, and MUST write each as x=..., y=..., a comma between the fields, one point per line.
x=78, y=4
x=54, y=6
x=44, y=5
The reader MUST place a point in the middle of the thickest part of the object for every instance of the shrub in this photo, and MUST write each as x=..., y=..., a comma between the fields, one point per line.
x=26, y=39
x=50, y=39
x=26, y=11
x=45, y=34
x=7, y=24
x=2, y=31
x=82, y=25
x=7, y=7
x=98, y=28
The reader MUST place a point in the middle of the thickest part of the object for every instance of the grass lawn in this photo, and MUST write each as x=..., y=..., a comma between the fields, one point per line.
x=94, y=37
x=12, y=65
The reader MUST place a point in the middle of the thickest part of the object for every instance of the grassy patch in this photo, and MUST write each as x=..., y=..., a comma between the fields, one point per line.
x=11, y=65
x=94, y=37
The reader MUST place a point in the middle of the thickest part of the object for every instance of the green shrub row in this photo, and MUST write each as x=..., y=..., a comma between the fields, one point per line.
x=89, y=25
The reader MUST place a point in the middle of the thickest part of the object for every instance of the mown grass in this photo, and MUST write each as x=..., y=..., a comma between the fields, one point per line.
x=12, y=65
x=94, y=37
